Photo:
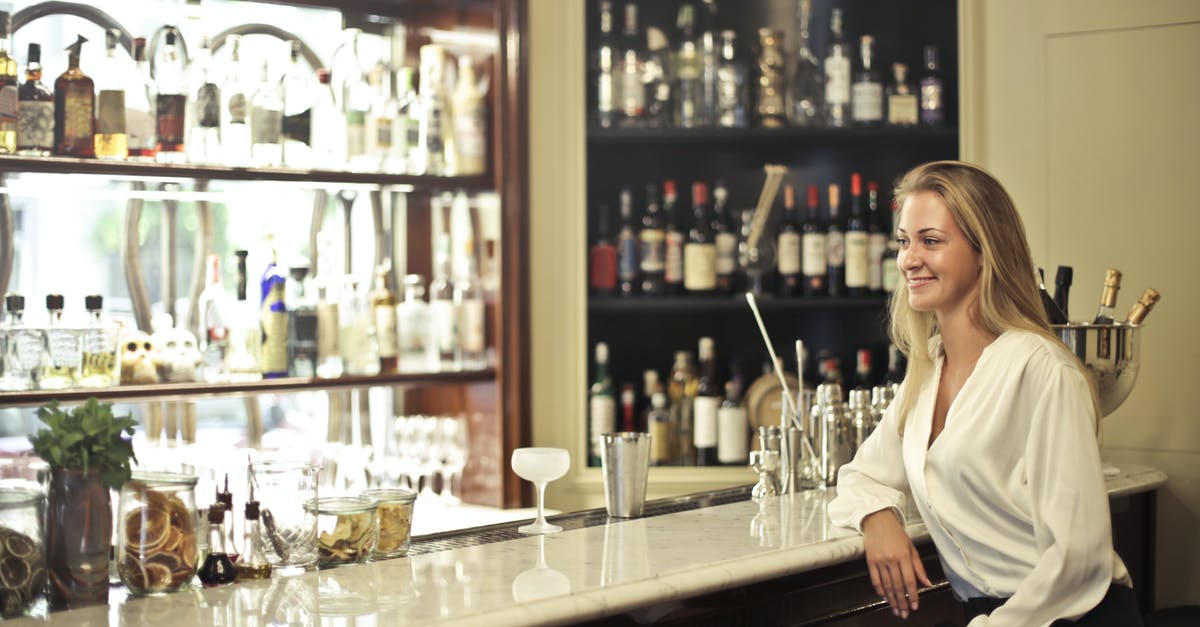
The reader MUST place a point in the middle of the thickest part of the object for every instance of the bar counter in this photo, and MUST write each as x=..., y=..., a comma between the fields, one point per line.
x=659, y=567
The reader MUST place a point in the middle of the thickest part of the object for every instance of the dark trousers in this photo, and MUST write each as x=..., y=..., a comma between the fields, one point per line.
x=1119, y=608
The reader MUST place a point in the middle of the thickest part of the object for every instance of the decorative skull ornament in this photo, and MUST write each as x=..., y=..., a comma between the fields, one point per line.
x=178, y=354
x=139, y=359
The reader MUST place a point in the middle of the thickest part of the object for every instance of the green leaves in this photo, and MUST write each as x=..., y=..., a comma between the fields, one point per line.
x=86, y=437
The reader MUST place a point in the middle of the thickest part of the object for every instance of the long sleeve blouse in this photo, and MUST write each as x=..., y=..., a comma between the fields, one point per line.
x=1011, y=492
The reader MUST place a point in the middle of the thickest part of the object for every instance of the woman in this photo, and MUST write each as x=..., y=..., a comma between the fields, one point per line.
x=993, y=431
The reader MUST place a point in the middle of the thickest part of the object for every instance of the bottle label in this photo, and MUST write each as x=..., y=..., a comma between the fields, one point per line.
x=704, y=425
x=445, y=325
x=733, y=436
x=729, y=96
x=385, y=330
x=327, y=330
x=602, y=409
x=78, y=122
x=815, y=260
x=238, y=108
x=856, y=259
x=110, y=112
x=604, y=93
x=726, y=253
x=876, y=245
x=788, y=255
x=139, y=129
x=8, y=102
x=470, y=326
x=208, y=106
x=931, y=101
x=35, y=128
x=469, y=132
x=699, y=267
x=891, y=274
x=837, y=80
x=902, y=109
x=383, y=132
x=298, y=127
x=633, y=95
x=867, y=102
x=411, y=326
x=627, y=261
x=673, y=272
x=653, y=245
x=170, y=115
x=835, y=249
x=266, y=125
x=274, y=341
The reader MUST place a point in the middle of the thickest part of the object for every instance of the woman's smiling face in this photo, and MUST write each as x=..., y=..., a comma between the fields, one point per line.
x=939, y=265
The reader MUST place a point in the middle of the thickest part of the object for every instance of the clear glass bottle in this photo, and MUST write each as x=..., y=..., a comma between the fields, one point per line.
x=933, y=103
x=866, y=108
x=273, y=316
x=64, y=349
x=406, y=129
x=605, y=64
x=412, y=321
x=688, y=68
x=24, y=348
x=443, y=314
x=298, y=99
x=215, y=308
x=903, y=106
x=218, y=568
x=235, y=108
x=243, y=358
x=329, y=357
x=630, y=70
x=139, y=106
x=771, y=111
x=732, y=95
x=302, y=324
x=837, y=73
x=8, y=85
x=356, y=105
x=432, y=149
x=383, y=115
x=329, y=124
x=709, y=62
x=101, y=336
x=356, y=337
x=805, y=102
x=383, y=308
x=266, y=122
x=170, y=101
x=252, y=564
x=111, y=140
x=35, y=110
x=469, y=302
x=470, y=120
x=204, y=108
x=74, y=108
x=681, y=391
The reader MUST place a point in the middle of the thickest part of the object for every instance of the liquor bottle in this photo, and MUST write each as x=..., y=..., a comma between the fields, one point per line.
x=681, y=391
x=835, y=245
x=8, y=85
x=658, y=82
x=253, y=563
x=805, y=103
x=384, y=110
x=710, y=54
x=658, y=422
x=725, y=237
x=862, y=369
x=443, y=316
x=1137, y=314
x=274, y=316
x=329, y=142
x=673, y=268
x=837, y=73
x=431, y=149
x=700, y=252
x=100, y=366
x=627, y=247
x=606, y=66
x=204, y=110
x=266, y=121
x=111, y=141
x=302, y=324
x=406, y=128
x=356, y=103
x=895, y=371
x=652, y=237
x=470, y=120
x=235, y=108
x=218, y=568
x=1053, y=313
x=469, y=301
x=64, y=350
x=329, y=354
x=866, y=97
x=1108, y=298
x=632, y=94
x=1062, y=288
x=602, y=258
x=628, y=407
x=170, y=101
x=688, y=67
x=814, y=262
x=24, y=348
x=383, y=308
x=243, y=354
x=139, y=106
x=771, y=110
x=650, y=385
x=888, y=268
x=903, y=106
x=857, y=253
x=732, y=91
x=933, y=105
x=74, y=105
x=215, y=310
x=35, y=110
x=356, y=330
x=733, y=427
x=876, y=241
x=412, y=321
x=705, y=406
x=297, y=124
x=788, y=250
x=602, y=407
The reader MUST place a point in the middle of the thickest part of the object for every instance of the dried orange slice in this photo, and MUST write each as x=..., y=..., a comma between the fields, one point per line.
x=188, y=552
x=131, y=572
x=167, y=560
x=158, y=577
x=171, y=544
x=146, y=528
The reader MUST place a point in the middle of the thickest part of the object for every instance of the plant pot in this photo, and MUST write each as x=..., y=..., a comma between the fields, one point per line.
x=78, y=538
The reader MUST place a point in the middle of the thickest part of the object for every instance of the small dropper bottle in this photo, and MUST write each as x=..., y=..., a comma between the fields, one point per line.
x=225, y=498
x=253, y=563
x=217, y=569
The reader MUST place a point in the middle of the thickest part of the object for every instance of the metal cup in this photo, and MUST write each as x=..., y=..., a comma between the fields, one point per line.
x=625, y=458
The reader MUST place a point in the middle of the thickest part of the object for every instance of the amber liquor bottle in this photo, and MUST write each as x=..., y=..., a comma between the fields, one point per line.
x=8, y=87
x=74, y=104
x=35, y=110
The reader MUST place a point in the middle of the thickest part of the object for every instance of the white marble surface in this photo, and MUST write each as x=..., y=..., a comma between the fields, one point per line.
x=561, y=578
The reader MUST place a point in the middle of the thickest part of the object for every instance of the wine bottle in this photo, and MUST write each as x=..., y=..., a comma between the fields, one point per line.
x=601, y=405
x=652, y=236
x=705, y=406
x=813, y=264
x=1142, y=307
x=700, y=251
x=787, y=256
x=602, y=259
x=673, y=254
x=1062, y=288
x=1108, y=298
x=856, y=242
x=627, y=246
x=725, y=240
x=835, y=246
x=1053, y=312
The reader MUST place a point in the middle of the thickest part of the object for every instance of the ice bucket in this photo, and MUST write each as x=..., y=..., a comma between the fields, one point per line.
x=1110, y=352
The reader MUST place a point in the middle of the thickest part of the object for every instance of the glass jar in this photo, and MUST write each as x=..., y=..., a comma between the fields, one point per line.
x=395, y=520
x=347, y=529
x=22, y=555
x=288, y=525
x=156, y=532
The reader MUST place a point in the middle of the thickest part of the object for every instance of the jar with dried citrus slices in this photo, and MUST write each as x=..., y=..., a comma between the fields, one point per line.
x=156, y=532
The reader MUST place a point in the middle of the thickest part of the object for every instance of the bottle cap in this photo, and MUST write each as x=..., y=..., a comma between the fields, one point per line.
x=14, y=302
x=216, y=513
x=856, y=184
x=1064, y=275
x=814, y=196
x=54, y=301
x=669, y=188
x=325, y=77
x=789, y=196
x=93, y=302
x=252, y=508
x=75, y=48
x=699, y=193
x=35, y=54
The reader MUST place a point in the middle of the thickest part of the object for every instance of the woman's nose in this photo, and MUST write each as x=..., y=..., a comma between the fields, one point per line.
x=908, y=259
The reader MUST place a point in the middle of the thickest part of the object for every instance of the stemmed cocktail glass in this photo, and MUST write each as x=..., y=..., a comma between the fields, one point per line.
x=541, y=465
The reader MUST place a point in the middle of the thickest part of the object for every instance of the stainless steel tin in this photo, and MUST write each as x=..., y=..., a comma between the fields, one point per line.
x=1111, y=354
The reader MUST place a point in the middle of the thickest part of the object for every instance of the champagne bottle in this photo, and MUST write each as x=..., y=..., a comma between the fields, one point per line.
x=1108, y=298
x=1142, y=307
x=1062, y=288
x=1053, y=312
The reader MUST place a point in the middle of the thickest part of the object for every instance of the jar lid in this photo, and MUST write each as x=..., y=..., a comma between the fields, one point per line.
x=13, y=497
x=341, y=505
x=390, y=495
x=159, y=479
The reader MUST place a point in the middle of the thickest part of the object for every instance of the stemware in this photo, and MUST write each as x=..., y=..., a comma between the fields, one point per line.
x=540, y=465
x=454, y=455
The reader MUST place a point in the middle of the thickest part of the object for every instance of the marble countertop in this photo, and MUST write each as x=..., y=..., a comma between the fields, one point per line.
x=570, y=576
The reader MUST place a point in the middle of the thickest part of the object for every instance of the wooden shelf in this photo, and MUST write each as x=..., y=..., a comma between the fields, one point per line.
x=267, y=386
x=637, y=305
x=68, y=165
x=755, y=137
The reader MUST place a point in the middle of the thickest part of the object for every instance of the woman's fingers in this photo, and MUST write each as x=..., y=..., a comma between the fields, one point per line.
x=919, y=567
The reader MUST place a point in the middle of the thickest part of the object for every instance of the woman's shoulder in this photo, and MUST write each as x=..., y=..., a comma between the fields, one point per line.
x=1035, y=350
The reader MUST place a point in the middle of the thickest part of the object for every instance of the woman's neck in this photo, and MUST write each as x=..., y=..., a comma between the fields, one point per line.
x=963, y=339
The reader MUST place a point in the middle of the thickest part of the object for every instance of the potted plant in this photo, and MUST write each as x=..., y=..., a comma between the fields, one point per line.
x=88, y=453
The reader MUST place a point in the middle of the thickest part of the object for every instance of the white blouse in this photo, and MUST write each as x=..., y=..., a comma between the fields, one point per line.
x=1011, y=491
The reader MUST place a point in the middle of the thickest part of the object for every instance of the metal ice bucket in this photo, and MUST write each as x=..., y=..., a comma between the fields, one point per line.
x=1111, y=354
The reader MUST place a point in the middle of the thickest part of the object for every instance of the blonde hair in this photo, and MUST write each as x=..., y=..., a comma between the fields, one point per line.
x=1008, y=296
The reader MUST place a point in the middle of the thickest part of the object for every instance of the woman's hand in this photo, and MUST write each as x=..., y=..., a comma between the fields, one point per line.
x=893, y=561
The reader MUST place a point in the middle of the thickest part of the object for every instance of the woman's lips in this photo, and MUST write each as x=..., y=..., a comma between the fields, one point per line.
x=917, y=282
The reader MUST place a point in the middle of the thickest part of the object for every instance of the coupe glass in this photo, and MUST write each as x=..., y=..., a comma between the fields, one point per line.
x=541, y=466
